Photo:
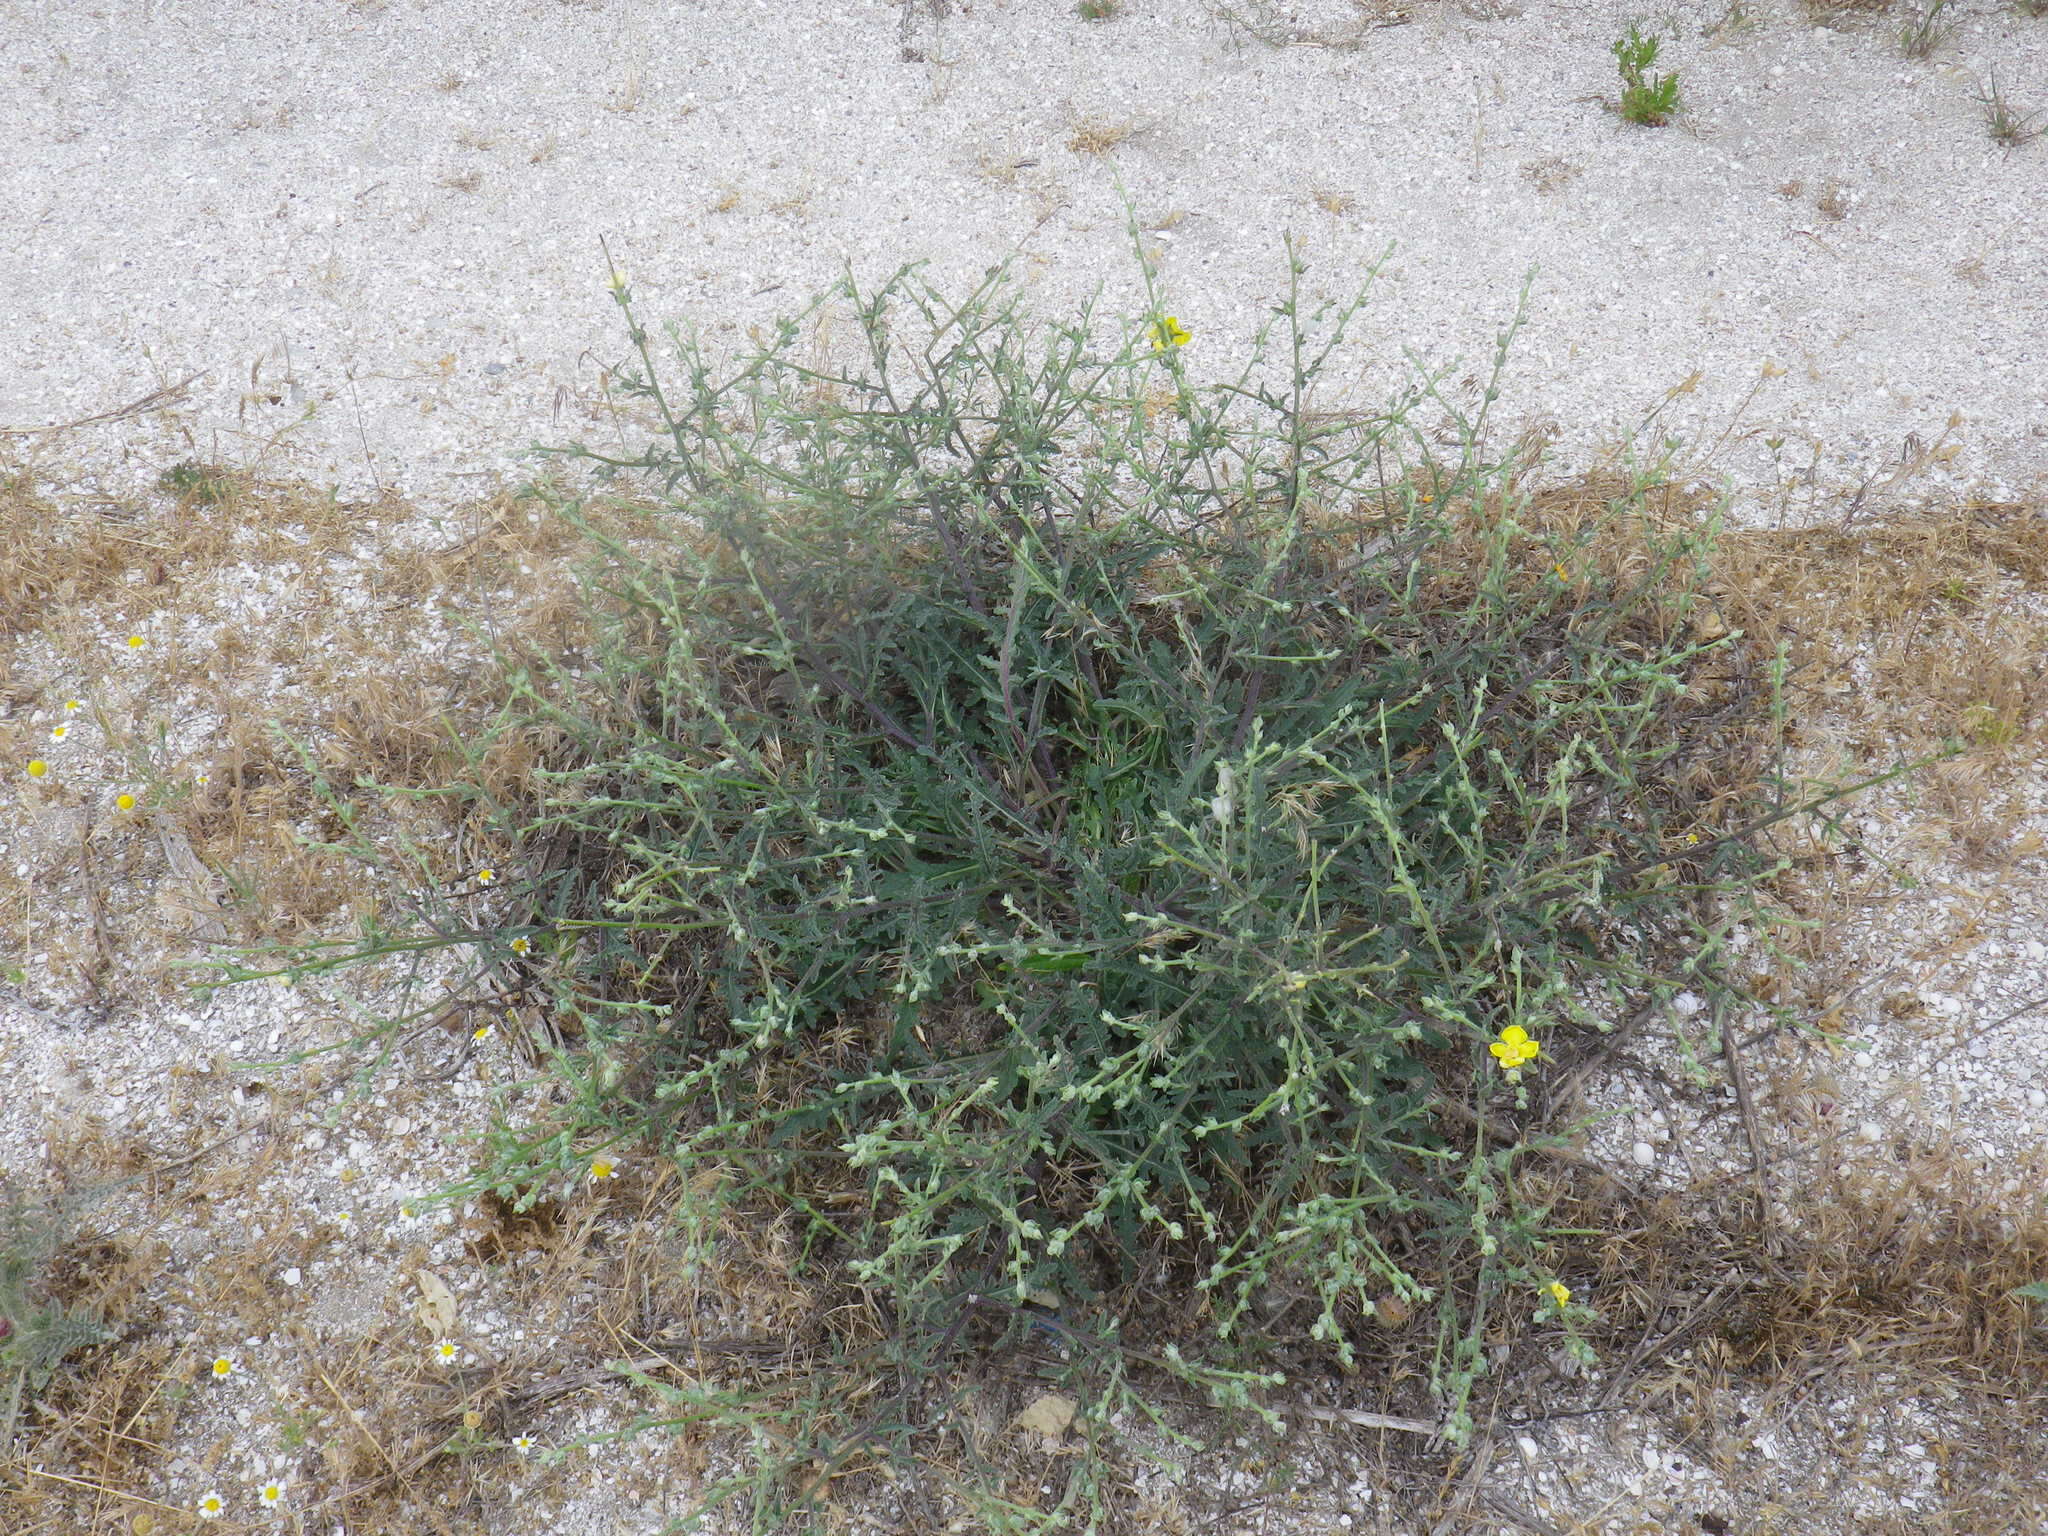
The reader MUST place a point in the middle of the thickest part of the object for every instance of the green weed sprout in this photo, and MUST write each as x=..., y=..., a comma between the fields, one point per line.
x=1923, y=32
x=1649, y=102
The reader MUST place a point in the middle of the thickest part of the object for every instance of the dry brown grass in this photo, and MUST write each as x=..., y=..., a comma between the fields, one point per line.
x=236, y=812
x=1833, y=10
x=1890, y=1288
x=1100, y=135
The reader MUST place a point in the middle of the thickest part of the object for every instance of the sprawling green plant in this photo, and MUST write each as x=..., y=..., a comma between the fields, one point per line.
x=37, y=1332
x=1052, y=825
x=1112, y=823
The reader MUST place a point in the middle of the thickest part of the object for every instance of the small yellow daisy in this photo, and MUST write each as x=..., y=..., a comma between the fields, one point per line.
x=136, y=642
x=223, y=1367
x=212, y=1507
x=124, y=802
x=1514, y=1047
x=522, y=945
x=447, y=1352
x=523, y=1444
x=37, y=767
x=73, y=706
x=486, y=876
x=59, y=732
x=483, y=1033
x=604, y=1168
x=272, y=1495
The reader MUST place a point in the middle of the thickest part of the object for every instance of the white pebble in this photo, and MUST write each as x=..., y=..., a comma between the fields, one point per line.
x=292, y=1277
x=1643, y=1153
x=2038, y=1098
x=1531, y=1451
x=1869, y=1130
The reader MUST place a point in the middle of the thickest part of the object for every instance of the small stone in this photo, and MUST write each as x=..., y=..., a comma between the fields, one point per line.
x=1531, y=1451
x=2038, y=1097
x=1643, y=1153
x=1870, y=1131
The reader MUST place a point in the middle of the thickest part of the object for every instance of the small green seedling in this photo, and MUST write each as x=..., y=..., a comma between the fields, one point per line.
x=1923, y=33
x=1098, y=10
x=2004, y=124
x=1649, y=101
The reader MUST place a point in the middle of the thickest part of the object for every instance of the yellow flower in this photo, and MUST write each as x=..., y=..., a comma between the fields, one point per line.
x=124, y=802
x=223, y=1367
x=272, y=1495
x=136, y=642
x=37, y=767
x=1167, y=333
x=73, y=706
x=212, y=1507
x=1559, y=1292
x=486, y=877
x=604, y=1168
x=1514, y=1047
x=59, y=732
x=521, y=945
